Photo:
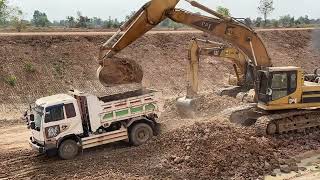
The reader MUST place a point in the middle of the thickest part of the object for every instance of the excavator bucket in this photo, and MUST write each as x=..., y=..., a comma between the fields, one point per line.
x=187, y=107
x=118, y=71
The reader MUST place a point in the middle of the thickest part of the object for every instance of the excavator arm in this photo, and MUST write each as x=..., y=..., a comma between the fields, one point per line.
x=146, y=18
x=156, y=11
x=229, y=54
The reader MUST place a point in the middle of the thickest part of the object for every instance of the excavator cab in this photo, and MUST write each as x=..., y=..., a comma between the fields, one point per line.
x=279, y=86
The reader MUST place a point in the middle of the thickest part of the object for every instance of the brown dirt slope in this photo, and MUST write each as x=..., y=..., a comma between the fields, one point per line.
x=61, y=62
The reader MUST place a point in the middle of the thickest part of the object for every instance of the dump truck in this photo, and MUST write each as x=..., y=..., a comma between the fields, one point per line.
x=64, y=124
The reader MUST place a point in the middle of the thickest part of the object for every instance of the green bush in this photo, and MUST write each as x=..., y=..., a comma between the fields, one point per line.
x=11, y=80
x=29, y=67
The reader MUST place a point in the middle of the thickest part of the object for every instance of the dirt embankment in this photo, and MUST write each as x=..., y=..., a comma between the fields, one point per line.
x=62, y=62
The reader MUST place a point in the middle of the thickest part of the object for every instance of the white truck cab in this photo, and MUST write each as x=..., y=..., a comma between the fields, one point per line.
x=66, y=123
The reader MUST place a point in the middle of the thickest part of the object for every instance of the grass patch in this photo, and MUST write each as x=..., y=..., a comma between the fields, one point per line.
x=29, y=67
x=11, y=80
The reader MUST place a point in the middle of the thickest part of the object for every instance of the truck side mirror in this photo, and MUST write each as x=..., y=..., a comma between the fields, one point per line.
x=31, y=117
x=32, y=125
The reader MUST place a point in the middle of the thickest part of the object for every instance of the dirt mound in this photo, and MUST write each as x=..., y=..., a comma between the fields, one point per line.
x=293, y=48
x=117, y=71
x=217, y=151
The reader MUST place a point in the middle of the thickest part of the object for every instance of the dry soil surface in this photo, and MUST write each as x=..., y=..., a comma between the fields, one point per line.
x=208, y=147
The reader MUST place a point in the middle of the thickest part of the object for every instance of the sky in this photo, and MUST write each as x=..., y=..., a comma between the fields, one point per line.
x=60, y=9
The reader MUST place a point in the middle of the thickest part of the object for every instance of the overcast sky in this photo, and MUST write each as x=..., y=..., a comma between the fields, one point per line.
x=60, y=9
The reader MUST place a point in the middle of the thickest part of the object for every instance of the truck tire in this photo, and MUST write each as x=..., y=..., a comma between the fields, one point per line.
x=68, y=149
x=140, y=133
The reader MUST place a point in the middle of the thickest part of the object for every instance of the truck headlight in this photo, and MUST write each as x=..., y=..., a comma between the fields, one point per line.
x=52, y=131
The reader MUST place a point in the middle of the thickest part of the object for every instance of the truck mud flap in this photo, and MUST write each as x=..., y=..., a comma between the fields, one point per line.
x=104, y=138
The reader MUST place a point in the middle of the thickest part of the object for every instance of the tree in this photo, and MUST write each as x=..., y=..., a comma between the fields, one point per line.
x=96, y=22
x=40, y=19
x=275, y=23
x=302, y=20
x=224, y=11
x=258, y=22
x=82, y=21
x=16, y=19
x=3, y=11
x=265, y=8
x=248, y=21
x=286, y=21
x=70, y=22
x=108, y=23
x=116, y=23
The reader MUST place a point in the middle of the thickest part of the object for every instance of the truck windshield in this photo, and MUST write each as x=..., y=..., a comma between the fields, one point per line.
x=38, y=115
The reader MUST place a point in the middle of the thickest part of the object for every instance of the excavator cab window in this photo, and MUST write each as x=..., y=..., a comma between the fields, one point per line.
x=263, y=86
x=279, y=85
x=276, y=85
x=283, y=84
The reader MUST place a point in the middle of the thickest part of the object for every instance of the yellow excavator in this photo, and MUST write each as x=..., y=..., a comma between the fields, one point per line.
x=286, y=101
x=187, y=105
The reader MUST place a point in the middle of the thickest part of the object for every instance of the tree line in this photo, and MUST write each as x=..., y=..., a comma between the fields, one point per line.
x=13, y=16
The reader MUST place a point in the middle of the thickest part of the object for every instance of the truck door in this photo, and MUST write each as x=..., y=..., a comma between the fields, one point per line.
x=61, y=120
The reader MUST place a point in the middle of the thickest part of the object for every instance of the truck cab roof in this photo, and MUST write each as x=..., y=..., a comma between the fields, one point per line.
x=54, y=99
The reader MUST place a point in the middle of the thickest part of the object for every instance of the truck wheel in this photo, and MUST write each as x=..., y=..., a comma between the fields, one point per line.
x=68, y=149
x=140, y=133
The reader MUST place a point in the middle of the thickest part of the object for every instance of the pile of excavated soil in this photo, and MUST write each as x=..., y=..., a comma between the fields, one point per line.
x=294, y=48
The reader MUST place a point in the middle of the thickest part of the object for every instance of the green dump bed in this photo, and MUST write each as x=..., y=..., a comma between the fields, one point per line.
x=129, y=105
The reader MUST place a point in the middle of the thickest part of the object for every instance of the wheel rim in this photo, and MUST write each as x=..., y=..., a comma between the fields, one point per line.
x=69, y=149
x=272, y=128
x=142, y=135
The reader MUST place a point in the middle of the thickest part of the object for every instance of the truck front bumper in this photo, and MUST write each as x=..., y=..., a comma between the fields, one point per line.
x=37, y=147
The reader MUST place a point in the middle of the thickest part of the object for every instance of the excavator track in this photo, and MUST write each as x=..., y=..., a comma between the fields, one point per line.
x=285, y=122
